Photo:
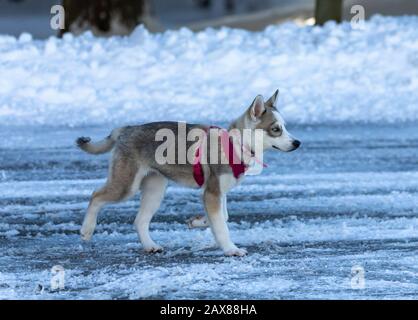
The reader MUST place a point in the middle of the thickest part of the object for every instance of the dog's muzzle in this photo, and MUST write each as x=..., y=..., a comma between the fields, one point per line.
x=296, y=144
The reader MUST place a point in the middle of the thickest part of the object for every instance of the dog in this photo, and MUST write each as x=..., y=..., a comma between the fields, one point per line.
x=135, y=166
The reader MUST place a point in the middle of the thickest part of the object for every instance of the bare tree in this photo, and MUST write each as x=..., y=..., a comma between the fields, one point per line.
x=229, y=5
x=328, y=10
x=103, y=17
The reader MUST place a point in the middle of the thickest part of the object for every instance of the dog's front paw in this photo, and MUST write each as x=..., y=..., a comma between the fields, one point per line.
x=86, y=232
x=197, y=222
x=154, y=248
x=235, y=252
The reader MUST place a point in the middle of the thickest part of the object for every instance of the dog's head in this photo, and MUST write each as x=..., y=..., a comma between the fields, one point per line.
x=265, y=116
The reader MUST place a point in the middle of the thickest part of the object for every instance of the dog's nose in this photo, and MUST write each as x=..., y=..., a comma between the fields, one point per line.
x=296, y=143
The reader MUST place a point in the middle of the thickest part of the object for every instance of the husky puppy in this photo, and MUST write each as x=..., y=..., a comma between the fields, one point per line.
x=134, y=166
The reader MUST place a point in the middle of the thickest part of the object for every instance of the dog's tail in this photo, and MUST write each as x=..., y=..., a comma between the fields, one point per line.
x=99, y=147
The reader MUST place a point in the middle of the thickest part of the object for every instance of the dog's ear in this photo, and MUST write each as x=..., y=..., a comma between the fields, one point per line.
x=273, y=99
x=257, y=108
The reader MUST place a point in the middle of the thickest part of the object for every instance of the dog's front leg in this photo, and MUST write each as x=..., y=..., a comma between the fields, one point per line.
x=214, y=207
x=202, y=221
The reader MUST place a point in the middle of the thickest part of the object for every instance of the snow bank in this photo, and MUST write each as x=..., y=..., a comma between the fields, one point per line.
x=328, y=74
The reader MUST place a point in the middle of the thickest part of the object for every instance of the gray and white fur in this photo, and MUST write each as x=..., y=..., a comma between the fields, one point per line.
x=134, y=167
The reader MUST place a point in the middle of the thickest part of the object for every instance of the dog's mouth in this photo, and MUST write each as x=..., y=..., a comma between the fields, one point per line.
x=289, y=150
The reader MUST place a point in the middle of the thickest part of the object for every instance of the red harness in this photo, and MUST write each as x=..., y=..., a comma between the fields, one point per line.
x=237, y=168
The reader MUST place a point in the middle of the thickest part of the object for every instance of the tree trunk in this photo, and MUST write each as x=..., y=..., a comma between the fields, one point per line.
x=328, y=10
x=103, y=17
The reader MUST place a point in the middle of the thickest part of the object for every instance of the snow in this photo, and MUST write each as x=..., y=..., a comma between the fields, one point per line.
x=330, y=74
x=348, y=197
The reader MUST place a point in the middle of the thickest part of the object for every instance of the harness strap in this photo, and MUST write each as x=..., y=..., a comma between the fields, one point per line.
x=197, y=168
x=237, y=168
x=226, y=142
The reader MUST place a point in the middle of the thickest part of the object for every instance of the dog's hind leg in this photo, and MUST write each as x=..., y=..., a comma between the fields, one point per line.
x=152, y=193
x=123, y=177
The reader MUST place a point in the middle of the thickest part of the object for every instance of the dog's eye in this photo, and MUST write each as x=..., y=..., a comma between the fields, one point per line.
x=276, y=131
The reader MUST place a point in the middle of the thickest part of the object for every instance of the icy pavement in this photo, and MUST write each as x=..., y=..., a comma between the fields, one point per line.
x=348, y=197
